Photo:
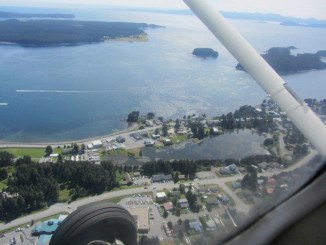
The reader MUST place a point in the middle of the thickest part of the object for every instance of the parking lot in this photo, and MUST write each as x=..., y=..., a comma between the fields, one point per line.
x=23, y=232
x=155, y=213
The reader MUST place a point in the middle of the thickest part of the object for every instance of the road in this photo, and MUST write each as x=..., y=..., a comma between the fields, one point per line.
x=240, y=205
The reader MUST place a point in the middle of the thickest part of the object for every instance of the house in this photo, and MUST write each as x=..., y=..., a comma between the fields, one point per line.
x=211, y=224
x=136, y=174
x=182, y=177
x=236, y=185
x=225, y=171
x=263, y=165
x=120, y=139
x=183, y=203
x=209, y=123
x=223, y=199
x=161, y=177
x=149, y=123
x=214, y=189
x=167, y=177
x=203, y=122
x=157, y=178
x=212, y=201
x=271, y=184
x=167, y=142
x=215, y=130
x=136, y=136
x=127, y=179
x=67, y=151
x=203, y=190
x=143, y=118
x=171, y=131
x=155, y=136
x=161, y=196
x=168, y=206
x=97, y=144
x=275, y=165
x=149, y=143
x=233, y=169
x=181, y=132
x=175, y=193
x=195, y=226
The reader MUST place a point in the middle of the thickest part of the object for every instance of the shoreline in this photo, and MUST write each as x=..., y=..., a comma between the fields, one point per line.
x=133, y=38
x=10, y=144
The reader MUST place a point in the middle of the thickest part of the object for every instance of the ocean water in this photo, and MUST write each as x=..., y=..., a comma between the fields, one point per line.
x=75, y=92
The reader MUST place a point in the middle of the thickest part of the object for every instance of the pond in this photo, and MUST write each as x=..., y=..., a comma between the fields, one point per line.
x=237, y=144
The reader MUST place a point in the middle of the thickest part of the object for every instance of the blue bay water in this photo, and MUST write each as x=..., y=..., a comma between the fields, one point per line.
x=103, y=82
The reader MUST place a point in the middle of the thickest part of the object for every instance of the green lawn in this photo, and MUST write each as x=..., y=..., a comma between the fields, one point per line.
x=229, y=184
x=124, y=187
x=178, y=138
x=128, y=153
x=32, y=152
x=64, y=195
x=3, y=184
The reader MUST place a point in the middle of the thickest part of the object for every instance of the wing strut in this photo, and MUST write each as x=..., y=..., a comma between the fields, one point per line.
x=299, y=113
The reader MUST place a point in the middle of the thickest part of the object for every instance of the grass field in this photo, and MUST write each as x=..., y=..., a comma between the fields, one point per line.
x=32, y=152
x=64, y=195
x=4, y=183
x=229, y=184
x=128, y=153
x=178, y=138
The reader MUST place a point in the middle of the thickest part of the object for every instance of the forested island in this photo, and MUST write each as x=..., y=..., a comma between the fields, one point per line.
x=23, y=15
x=283, y=62
x=67, y=32
x=205, y=52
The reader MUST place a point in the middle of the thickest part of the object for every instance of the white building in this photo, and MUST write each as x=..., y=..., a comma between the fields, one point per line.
x=160, y=195
x=97, y=144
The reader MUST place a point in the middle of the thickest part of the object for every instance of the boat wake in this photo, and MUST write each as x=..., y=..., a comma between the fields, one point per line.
x=58, y=91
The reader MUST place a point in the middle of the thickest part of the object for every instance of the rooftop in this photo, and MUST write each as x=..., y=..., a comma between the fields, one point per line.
x=160, y=194
x=142, y=218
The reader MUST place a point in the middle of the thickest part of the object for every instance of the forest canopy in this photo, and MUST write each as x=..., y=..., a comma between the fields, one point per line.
x=66, y=32
x=283, y=62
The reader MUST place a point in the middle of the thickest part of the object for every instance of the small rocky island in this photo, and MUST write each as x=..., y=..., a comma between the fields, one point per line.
x=283, y=62
x=40, y=33
x=205, y=52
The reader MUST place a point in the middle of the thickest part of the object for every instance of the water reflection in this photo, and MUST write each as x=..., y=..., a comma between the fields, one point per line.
x=230, y=145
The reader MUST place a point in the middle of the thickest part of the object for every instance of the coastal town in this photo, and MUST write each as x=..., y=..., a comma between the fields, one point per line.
x=180, y=201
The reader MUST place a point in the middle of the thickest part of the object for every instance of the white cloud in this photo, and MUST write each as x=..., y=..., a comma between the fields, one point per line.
x=297, y=8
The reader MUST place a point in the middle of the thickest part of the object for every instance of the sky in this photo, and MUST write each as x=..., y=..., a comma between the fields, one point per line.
x=293, y=8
